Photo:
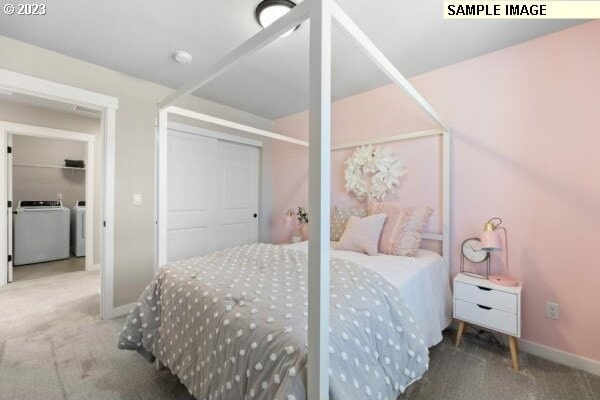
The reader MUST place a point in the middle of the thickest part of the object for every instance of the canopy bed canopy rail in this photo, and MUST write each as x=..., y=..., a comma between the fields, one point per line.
x=321, y=13
x=389, y=139
x=233, y=125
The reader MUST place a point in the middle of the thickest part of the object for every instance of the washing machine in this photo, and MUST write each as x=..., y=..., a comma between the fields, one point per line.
x=40, y=232
x=78, y=229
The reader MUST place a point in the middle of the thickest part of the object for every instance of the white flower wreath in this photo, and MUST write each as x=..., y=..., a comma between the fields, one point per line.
x=384, y=168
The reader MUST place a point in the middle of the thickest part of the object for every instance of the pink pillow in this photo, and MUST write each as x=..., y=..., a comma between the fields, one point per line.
x=339, y=219
x=362, y=234
x=401, y=235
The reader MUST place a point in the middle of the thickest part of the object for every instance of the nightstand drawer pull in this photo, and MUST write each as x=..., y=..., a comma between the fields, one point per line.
x=489, y=297
x=492, y=318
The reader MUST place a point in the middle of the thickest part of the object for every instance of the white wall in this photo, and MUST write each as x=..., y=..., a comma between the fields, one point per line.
x=135, y=155
x=41, y=116
x=38, y=183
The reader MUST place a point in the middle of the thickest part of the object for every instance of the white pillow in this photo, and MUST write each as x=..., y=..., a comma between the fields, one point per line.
x=362, y=234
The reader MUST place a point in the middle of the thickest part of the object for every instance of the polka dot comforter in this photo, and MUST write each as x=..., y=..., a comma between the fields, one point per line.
x=233, y=325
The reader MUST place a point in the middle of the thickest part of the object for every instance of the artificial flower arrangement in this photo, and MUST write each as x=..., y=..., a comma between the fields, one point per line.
x=301, y=225
x=302, y=215
x=371, y=173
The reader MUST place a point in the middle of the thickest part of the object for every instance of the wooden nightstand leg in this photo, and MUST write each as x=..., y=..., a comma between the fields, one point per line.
x=459, y=333
x=512, y=341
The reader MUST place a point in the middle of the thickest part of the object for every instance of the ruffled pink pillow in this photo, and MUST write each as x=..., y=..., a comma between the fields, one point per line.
x=403, y=229
x=362, y=234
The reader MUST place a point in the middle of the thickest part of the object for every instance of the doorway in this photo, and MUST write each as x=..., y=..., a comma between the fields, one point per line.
x=50, y=200
x=106, y=107
x=47, y=217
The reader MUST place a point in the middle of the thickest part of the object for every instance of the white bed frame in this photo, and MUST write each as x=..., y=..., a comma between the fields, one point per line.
x=321, y=14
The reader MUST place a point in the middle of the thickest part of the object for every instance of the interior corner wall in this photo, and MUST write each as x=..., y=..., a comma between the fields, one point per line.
x=525, y=148
x=41, y=116
x=134, y=147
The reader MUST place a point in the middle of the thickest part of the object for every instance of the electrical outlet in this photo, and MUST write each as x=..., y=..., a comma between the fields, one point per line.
x=137, y=199
x=552, y=310
x=59, y=196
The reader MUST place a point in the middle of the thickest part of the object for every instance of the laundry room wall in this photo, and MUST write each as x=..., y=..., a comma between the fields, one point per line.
x=14, y=109
x=38, y=173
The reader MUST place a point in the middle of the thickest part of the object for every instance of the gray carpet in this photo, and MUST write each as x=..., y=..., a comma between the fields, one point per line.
x=53, y=346
x=480, y=369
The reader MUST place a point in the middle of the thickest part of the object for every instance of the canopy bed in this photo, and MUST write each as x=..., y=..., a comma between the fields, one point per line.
x=182, y=278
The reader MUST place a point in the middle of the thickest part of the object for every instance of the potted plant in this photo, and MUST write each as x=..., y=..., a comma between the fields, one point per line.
x=302, y=216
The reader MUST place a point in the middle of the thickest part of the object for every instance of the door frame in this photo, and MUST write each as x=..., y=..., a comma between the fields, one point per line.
x=11, y=128
x=107, y=106
x=161, y=178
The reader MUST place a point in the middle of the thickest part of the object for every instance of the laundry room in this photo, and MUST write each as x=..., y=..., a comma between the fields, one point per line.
x=48, y=185
x=51, y=186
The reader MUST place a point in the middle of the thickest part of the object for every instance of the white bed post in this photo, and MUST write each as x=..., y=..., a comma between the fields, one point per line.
x=319, y=173
x=446, y=198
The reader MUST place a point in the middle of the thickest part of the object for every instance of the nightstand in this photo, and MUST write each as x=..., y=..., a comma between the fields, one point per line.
x=486, y=304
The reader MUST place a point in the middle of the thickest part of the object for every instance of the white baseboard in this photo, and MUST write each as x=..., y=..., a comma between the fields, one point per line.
x=561, y=357
x=95, y=267
x=552, y=354
x=120, y=311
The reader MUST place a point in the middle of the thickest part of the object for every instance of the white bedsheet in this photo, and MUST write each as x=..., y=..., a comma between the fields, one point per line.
x=423, y=281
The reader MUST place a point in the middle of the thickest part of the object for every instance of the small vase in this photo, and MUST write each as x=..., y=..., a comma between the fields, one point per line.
x=304, y=230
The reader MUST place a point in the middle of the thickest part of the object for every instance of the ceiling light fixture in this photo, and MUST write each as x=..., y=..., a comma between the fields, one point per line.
x=183, y=57
x=268, y=11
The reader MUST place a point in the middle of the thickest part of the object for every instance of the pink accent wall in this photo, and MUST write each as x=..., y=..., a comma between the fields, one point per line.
x=526, y=148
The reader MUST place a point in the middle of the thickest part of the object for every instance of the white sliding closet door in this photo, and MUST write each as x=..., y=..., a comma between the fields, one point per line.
x=192, y=201
x=212, y=195
x=239, y=206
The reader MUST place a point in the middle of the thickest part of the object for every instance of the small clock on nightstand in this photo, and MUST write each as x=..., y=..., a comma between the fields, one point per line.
x=471, y=251
x=486, y=304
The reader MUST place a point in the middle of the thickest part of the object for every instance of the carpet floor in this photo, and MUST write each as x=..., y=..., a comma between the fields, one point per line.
x=42, y=270
x=54, y=346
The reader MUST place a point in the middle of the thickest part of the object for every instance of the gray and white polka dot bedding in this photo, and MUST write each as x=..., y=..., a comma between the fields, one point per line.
x=233, y=325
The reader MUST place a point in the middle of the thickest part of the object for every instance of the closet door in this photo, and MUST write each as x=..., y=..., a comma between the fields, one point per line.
x=193, y=199
x=238, y=222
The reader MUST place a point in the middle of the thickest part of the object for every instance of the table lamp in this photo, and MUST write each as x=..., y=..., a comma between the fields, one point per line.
x=289, y=218
x=491, y=242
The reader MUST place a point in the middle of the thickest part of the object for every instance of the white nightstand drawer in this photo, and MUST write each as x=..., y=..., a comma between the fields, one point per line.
x=485, y=296
x=485, y=316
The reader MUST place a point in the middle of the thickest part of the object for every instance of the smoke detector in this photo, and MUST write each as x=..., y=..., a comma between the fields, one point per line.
x=182, y=57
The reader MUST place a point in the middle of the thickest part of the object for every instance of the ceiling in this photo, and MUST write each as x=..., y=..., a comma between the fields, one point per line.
x=138, y=37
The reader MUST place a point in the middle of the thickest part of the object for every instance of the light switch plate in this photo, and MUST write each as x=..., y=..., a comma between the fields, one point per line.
x=137, y=199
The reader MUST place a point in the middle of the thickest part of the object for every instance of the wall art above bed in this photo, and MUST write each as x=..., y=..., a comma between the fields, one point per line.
x=371, y=173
